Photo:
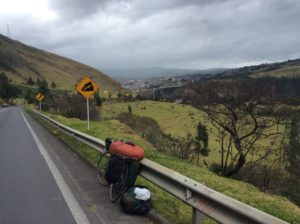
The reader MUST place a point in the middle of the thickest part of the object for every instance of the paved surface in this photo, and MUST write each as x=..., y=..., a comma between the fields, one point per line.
x=38, y=189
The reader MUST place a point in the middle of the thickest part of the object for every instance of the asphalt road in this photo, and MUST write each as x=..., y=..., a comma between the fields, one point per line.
x=42, y=181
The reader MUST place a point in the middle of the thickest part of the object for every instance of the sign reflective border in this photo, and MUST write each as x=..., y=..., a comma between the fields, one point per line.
x=39, y=97
x=87, y=87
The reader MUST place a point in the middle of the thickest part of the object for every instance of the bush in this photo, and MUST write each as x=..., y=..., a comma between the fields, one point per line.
x=75, y=106
x=272, y=179
x=149, y=129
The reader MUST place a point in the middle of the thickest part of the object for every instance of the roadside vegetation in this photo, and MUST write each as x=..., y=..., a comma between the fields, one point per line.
x=8, y=92
x=248, y=123
x=167, y=205
x=226, y=134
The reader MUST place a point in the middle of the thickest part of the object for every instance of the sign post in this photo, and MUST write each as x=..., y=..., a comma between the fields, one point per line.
x=88, y=112
x=87, y=87
x=40, y=97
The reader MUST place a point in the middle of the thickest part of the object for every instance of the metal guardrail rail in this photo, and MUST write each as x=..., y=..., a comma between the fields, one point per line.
x=203, y=200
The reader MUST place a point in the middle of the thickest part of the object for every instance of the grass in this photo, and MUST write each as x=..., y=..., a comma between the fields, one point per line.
x=172, y=208
x=26, y=61
x=176, y=120
x=285, y=71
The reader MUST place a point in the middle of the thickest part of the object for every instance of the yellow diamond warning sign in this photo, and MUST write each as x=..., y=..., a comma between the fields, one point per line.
x=39, y=97
x=87, y=87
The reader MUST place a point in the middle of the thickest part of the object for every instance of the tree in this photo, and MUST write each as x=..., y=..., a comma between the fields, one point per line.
x=293, y=151
x=129, y=110
x=201, y=141
x=53, y=85
x=29, y=96
x=30, y=81
x=43, y=87
x=97, y=99
x=120, y=95
x=243, y=110
x=38, y=81
x=7, y=91
x=182, y=147
x=75, y=106
x=138, y=97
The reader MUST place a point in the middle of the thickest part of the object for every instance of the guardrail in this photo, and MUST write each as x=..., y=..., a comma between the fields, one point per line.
x=202, y=199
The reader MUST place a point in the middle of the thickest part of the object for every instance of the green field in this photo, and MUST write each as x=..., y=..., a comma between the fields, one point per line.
x=175, y=119
x=173, y=209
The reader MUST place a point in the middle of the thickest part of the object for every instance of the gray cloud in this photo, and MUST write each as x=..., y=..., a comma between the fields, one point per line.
x=76, y=9
x=171, y=33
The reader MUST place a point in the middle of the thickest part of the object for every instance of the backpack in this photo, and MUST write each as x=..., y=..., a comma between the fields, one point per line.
x=131, y=205
x=132, y=172
x=114, y=169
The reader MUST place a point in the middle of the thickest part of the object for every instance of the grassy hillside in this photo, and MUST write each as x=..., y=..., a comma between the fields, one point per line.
x=174, y=119
x=290, y=69
x=172, y=208
x=20, y=61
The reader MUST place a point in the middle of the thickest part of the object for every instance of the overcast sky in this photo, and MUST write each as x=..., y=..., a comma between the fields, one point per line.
x=195, y=34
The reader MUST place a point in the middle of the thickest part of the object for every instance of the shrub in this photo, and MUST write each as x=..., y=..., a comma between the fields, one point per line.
x=75, y=106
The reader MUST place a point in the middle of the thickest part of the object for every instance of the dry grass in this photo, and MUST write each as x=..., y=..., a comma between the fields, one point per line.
x=28, y=61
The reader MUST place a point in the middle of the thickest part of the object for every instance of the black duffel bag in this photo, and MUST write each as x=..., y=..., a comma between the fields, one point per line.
x=131, y=205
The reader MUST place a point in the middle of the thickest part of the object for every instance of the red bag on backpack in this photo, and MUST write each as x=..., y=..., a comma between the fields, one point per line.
x=126, y=149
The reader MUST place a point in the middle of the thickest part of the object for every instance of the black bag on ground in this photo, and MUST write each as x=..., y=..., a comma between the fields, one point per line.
x=114, y=169
x=131, y=205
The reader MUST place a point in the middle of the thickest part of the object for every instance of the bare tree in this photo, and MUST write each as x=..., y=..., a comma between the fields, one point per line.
x=182, y=147
x=74, y=106
x=242, y=111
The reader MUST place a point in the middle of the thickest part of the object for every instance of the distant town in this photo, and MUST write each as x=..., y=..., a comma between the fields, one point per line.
x=137, y=85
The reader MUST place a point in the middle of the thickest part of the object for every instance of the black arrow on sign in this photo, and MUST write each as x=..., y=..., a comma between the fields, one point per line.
x=88, y=87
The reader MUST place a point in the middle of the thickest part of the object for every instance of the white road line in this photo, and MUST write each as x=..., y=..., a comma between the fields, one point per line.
x=77, y=212
x=1, y=110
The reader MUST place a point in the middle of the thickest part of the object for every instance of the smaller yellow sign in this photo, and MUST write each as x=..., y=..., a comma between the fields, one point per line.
x=87, y=87
x=39, y=97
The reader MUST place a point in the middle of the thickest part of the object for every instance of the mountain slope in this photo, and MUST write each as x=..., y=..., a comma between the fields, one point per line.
x=290, y=69
x=20, y=61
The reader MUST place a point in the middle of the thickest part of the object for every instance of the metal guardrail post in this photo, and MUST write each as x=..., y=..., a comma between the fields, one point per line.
x=198, y=217
x=204, y=200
